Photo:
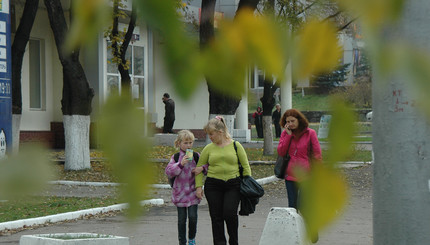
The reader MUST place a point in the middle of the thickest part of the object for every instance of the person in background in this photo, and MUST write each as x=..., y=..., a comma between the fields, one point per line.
x=302, y=145
x=276, y=117
x=169, y=117
x=183, y=169
x=222, y=185
x=258, y=116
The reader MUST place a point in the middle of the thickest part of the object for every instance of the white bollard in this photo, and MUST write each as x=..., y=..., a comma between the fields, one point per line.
x=284, y=226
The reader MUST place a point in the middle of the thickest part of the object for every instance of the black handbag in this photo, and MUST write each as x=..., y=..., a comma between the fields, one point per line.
x=281, y=165
x=249, y=187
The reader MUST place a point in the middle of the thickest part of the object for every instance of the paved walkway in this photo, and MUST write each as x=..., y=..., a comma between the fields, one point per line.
x=158, y=225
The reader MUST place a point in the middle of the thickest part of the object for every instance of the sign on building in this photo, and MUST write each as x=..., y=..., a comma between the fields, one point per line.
x=5, y=80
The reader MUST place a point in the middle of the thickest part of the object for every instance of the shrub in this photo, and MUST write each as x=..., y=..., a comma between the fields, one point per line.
x=359, y=94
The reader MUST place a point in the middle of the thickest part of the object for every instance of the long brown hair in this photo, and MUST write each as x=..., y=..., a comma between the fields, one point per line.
x=303, y=122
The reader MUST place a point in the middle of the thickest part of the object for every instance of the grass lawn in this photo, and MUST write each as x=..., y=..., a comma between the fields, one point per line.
x=38, y=206
x=309, y=102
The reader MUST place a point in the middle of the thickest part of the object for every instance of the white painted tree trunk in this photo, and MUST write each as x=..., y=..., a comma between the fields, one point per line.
x=16, y=128
x=77, y=137
x=268, y=135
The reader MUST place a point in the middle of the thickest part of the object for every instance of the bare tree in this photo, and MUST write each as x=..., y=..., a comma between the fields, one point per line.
x=120, y=43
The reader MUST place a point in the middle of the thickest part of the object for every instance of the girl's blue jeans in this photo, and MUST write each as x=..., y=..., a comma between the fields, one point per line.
x=183, y=213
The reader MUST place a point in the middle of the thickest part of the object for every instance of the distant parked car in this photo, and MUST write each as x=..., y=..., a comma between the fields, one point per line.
x=369, y=116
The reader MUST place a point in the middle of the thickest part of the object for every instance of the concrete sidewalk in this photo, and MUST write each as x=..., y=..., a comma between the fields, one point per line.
x=158, y=225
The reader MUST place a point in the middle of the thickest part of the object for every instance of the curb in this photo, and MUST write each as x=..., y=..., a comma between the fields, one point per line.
x=261, y=181
x=16, y=224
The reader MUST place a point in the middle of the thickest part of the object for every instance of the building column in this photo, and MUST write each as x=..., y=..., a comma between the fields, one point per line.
x=241, y=132
x=286, y=90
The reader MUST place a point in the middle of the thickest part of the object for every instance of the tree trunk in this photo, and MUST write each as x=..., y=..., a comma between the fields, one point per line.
x=268, y=135
x=401, y=141
x=20, y=41
x=268, y=102
x=77, y=94
x=250, y=4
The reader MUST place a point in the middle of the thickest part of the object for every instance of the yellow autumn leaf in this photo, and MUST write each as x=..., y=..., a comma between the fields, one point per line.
x=226, y=60
x=317, y=49
x=265, y=41
x=240, y=44
x=323, y=197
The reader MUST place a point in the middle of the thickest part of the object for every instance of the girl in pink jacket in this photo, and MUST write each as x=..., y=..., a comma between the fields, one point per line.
x=184, y=170
x=302, y=145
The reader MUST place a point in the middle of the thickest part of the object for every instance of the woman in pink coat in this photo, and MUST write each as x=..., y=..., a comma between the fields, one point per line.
x=302, y=145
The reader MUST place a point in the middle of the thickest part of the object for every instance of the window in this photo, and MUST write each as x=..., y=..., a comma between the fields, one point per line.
x=257, y=77
x=36, y=80
x=135, y=54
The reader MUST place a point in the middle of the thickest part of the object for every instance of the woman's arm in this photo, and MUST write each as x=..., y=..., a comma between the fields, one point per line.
x=315, y=146
x=203, y=160
x=284, y=142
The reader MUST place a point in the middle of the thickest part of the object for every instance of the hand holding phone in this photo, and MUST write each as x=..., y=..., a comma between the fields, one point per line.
x=287, y=128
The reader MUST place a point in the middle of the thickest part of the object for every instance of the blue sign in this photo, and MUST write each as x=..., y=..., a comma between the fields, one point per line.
x=5, y=80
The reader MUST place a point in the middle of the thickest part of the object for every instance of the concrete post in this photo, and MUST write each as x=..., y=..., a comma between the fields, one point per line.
x=401, y=143
x=284, y=226
x=241, y=133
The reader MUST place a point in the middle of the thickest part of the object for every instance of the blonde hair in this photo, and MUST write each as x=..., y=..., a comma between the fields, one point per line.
x=217, y=124
x=182, y=136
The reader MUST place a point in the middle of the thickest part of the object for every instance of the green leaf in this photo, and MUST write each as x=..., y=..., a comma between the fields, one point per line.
x=374, y=13
x=181, y=54
x=90, y=17
x=341, y=132
x=322, y=198
x=123, y=138
x=25, y=173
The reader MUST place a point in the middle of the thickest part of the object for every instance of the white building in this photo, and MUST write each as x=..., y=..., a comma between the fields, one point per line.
x=42, y=80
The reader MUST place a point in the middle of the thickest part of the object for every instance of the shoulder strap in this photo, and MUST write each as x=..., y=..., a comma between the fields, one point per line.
x=196, y=157
x=238, y=160
x=176, y=157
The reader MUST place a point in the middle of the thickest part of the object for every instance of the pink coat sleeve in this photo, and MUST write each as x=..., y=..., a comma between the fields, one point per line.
x=284, y=142
x=316, y=148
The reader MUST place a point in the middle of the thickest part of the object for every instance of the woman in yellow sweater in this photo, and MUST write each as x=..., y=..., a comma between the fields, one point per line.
x=222, y=182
